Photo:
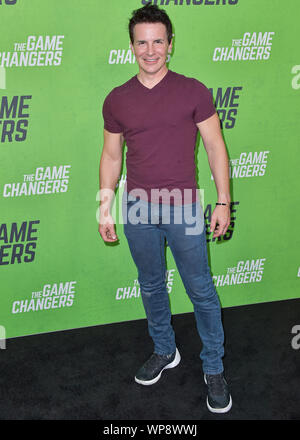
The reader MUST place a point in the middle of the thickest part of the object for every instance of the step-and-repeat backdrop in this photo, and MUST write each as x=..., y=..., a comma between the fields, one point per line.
x=58, y=61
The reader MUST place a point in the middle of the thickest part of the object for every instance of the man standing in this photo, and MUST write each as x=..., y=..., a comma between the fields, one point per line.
x=158, y=113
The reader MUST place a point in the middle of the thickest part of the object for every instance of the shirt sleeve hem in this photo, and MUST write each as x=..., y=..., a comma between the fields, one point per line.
x=112, y=130
x=206, y=117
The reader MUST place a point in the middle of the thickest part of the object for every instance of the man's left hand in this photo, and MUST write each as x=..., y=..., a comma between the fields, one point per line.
x=220, y=220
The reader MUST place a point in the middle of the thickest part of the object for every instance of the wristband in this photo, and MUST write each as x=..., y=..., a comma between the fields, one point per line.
x=221, y=204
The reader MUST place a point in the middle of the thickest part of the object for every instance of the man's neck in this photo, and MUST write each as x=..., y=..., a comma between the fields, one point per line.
x=151, y=80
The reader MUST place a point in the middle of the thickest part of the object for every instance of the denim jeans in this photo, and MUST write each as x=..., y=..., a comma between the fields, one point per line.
x=146, y=226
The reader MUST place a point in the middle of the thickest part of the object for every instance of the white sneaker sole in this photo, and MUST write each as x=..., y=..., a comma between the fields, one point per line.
x=172, y=364
x=218, y=410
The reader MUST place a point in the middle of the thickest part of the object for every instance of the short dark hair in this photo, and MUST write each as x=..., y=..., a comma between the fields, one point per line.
x=150, y=14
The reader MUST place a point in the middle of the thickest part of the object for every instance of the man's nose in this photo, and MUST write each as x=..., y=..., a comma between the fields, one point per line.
x=150, y=49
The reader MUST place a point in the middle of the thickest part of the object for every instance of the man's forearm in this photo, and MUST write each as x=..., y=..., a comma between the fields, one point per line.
x=109, y=175
x=219, y=165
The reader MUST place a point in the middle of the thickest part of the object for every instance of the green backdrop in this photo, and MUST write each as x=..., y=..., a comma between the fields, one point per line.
x=58, y=61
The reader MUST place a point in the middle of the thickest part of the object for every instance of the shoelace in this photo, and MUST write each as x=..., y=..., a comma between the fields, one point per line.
x=154, y=359
x=216, y=384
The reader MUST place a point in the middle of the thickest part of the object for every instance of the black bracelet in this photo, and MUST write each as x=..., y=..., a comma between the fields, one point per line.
x=221, y=204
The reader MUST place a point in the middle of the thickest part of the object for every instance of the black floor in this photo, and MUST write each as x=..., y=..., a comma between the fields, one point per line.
x=87, y=374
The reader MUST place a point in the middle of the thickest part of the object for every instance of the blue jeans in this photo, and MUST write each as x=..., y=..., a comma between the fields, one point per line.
x=146, y=226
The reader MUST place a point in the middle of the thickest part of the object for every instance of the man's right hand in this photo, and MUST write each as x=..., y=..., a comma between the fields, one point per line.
x=107, y=230
x=110, y=168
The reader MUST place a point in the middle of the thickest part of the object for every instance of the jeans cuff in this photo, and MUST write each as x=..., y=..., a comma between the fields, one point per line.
x=210, y=371
x=163, y=353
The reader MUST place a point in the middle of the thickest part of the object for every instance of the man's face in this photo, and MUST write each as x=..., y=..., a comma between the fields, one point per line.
x=151, y=46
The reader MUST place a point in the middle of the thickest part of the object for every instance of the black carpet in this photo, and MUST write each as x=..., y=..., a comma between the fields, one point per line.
x=87, y=374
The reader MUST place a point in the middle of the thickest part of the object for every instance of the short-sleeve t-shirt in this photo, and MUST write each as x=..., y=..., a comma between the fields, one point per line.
x=159, y=127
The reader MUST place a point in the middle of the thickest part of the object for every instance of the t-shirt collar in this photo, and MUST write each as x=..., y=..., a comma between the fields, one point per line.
x=157, y=86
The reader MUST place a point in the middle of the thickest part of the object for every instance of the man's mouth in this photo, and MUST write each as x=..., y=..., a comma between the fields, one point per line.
x=150, y=60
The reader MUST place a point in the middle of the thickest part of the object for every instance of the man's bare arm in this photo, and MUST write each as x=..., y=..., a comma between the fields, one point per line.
x=110, y=168
x=218, y=161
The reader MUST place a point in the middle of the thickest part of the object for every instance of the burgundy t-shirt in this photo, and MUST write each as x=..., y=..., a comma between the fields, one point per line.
x=159, y=127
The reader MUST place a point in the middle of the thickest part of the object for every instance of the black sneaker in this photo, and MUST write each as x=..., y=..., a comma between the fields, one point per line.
x=218, y=398
x=151, y=371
